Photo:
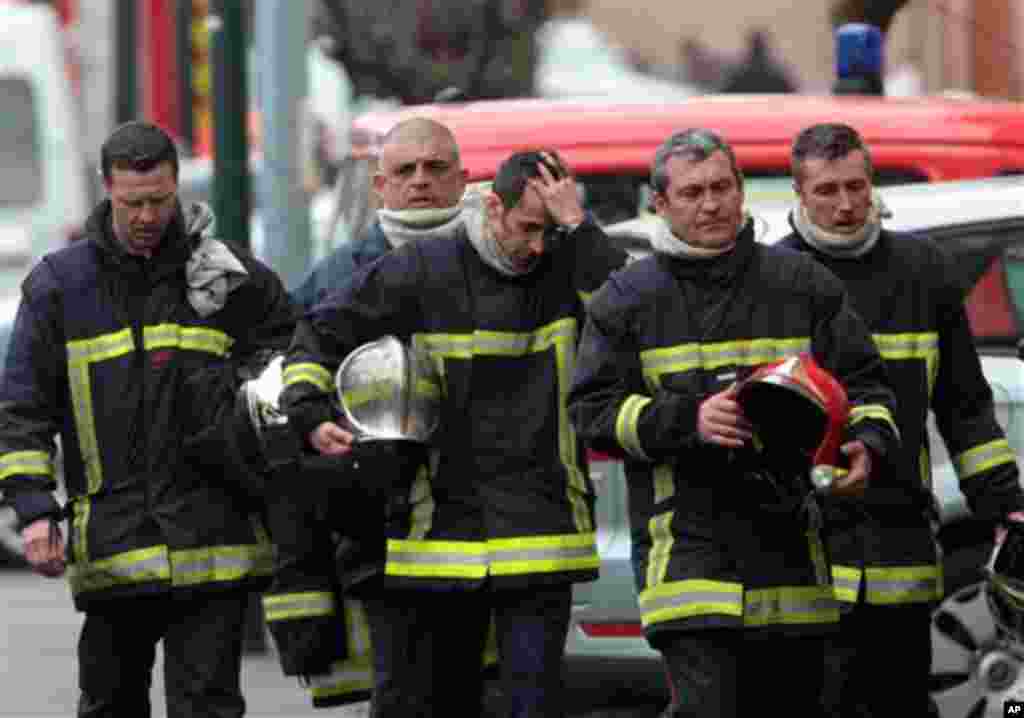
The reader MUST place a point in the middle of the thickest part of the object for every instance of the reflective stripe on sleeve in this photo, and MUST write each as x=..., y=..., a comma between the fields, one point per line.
x=310, y=373
x=626, y=425
x=28, y=463
x=902, y=584
x=982, y=458
x=294, y=606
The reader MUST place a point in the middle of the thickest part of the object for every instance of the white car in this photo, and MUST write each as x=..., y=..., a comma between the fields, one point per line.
x=982, y=223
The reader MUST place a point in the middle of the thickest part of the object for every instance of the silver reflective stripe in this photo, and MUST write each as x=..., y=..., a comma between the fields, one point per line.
x=133, y=567
x=693, y=598
x=545, y=554
x=799, y=605
x=984, y=457
x=223, y=563
x=33, y=463
x=626, y=425
x=298, y=605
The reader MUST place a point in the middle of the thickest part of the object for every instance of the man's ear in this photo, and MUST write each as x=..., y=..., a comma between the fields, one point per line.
x=494, y=206
x=379, y=180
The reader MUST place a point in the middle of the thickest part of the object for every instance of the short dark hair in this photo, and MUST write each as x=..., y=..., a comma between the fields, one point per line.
x=138, y=146
x=511, y=179
x=696, y=145
x=827, y=141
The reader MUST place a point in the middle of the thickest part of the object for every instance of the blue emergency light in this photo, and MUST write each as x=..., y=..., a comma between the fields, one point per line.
x=859, y=58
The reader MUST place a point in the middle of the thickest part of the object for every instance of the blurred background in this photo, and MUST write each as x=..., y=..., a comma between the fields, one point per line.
x=276, y=84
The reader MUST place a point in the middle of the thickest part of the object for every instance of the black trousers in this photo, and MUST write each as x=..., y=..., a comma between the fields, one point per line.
x=728, y=673
x=879, y=664
x=428, y=650
x=202, y=645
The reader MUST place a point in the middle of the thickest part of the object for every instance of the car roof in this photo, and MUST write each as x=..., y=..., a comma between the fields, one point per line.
x=592, y=133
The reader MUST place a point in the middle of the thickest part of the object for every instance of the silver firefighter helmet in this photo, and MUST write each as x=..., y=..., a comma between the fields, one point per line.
x=262, y=398
x=389, y=391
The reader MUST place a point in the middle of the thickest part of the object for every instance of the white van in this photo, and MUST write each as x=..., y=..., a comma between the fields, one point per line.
x=44, y=188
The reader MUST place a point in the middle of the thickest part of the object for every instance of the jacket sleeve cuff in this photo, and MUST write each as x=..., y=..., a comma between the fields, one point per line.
x=31, y=505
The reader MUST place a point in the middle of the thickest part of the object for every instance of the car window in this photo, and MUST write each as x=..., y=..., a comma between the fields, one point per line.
x=21, y=172
x=989, y=261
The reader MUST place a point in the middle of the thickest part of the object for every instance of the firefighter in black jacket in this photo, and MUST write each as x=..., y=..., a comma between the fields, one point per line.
x=161, y=546
x=502, y=519
x=886, y=565
x=728, y=556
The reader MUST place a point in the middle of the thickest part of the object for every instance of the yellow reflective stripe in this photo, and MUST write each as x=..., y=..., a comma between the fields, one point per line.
x=421, y=498
x=817, y=554
x=219, y=563
x=292, y=606
x=491, y=646
x=626, y=425
x=542, y=554
x=560, y=335
x=924, y=465
x=692, y=597
x=660, y=529
x=872, y=411
x=132, y=567
x=308, y=372
x=789, y=605
x=982, y=458
x=81, y=509
x=664, y=483
x=436, y=559
x=81, y=354
x=32, y=463
x=585, y=297
x=904, y=584
x=203, y=339
x=909, y=346
x=354, y=675
x=846, y=583
x=690, y=357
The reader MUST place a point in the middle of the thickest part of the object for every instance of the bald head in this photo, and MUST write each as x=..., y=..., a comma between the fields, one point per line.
x=419, y=167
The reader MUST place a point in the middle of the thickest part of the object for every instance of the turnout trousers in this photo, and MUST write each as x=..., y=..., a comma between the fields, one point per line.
x=202, y=645
x=879, y=664
x=428, y=648
x=731, y=672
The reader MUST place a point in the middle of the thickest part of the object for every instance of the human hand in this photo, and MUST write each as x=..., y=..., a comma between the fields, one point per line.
x=1000, y=535
x=559, y=194
x=44, y=547
x=330, y=439
x=720, y=420
x=853, y=483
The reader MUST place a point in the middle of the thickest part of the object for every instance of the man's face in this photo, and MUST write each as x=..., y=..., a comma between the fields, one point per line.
x=143, y=204
x=420, y=174
x=519, y=231
x=703, y=202
x=836, y=193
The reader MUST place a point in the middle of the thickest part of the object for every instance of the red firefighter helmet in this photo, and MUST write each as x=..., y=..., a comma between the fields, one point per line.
x=796, y=405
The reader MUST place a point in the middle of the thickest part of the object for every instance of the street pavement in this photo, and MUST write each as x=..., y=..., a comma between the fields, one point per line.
x=38, y=668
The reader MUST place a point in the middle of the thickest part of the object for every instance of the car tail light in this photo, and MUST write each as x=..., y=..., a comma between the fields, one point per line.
x=629, y=629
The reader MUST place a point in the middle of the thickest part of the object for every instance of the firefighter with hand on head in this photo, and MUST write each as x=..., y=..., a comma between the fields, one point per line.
x=498, y=522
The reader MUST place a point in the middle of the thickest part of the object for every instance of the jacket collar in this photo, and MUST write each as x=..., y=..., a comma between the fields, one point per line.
x=722, y=269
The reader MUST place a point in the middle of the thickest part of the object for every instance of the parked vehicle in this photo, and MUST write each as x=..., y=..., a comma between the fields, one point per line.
x=924, y=140
x=981, y=222
x=44, y=190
